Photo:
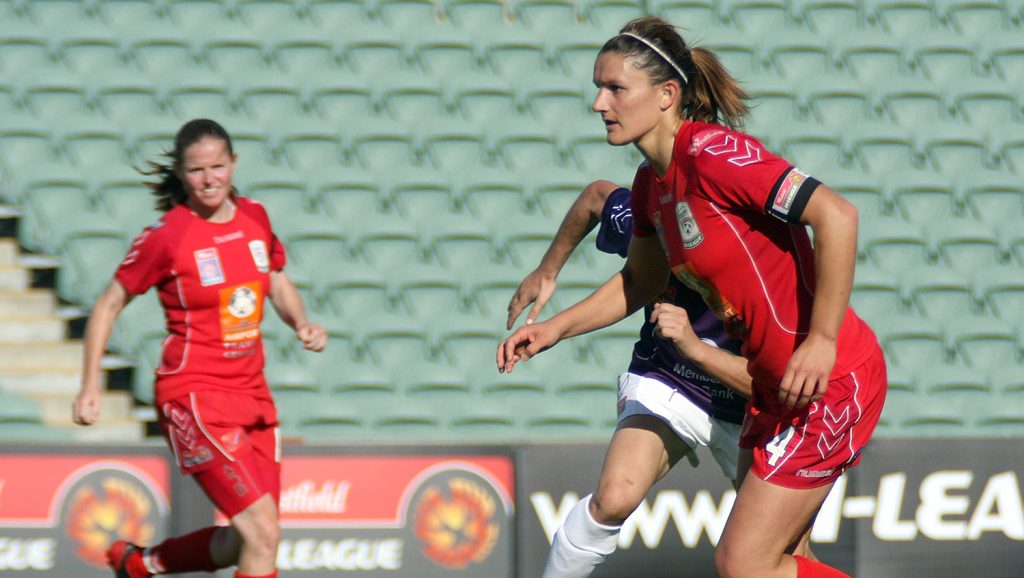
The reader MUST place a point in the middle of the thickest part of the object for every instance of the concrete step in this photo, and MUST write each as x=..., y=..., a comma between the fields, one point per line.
x=32, y=329
x=41, y=381
x=56, y=408
x=8, y=252
x=13, y=278
x=34, y=302
x=65, y=355
x=122, y=431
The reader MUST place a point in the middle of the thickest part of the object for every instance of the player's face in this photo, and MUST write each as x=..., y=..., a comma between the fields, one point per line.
x=206, y=171
x=628, y=103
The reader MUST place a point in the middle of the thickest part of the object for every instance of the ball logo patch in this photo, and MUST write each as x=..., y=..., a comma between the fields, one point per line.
x=242, y=302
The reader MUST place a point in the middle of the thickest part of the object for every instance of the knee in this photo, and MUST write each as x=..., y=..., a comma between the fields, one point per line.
x=261, y=532
x=613, y=503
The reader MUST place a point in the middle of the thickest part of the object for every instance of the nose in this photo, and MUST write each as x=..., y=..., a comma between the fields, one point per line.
x=598, y=105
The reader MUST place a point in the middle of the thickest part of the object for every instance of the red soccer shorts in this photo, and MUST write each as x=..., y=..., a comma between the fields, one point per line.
x=814, y=446
x=229, y=443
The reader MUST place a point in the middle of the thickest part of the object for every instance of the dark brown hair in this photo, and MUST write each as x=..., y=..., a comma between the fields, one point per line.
x=168, y=189
x=710, y=94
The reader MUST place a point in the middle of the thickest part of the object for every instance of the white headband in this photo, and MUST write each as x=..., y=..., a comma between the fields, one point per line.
x=661, y=53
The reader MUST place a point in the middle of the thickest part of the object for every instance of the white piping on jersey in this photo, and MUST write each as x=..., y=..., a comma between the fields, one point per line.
x=799, y=264
x=277, y=444
x=860, y=411
x=188, y=330
x=760, y=278
x=199, y=422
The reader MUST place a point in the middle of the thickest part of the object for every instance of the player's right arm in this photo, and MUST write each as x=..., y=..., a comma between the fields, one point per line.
x=643, y=277
x=86, y=407
x=579, y=221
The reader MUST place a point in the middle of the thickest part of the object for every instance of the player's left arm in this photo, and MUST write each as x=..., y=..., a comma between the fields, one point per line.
x=834, y=223
x=673, y=323
x=288, y=303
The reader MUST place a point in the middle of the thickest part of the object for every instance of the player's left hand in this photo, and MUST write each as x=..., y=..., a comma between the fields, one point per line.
x=806, y=377
x=312, y=336
x=673, y=323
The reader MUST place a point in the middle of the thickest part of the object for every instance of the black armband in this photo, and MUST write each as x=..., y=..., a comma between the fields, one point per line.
x=790, y=194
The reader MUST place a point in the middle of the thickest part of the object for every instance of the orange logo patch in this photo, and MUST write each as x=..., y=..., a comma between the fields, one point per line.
x=457, y=523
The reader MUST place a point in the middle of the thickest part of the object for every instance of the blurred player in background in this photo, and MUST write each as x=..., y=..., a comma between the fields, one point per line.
x=728, y=218
x=670, y=400
x=213, y=258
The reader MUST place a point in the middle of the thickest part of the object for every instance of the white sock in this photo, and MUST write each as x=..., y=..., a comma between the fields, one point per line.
x=580, y=544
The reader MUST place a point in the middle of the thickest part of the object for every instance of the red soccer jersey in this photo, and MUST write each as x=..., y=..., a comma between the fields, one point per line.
x=721, y=212
x=212, y=279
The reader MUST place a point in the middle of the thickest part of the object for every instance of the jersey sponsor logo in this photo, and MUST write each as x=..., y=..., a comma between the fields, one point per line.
x=701, y=140
x=741, y=156
x=239, y=234
x=258, y=249
x=688, y=226
x=790, y=186
x=241, y=309
x=210, y=270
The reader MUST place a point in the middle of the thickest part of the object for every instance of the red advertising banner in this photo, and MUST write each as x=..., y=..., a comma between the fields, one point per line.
x=59, y=513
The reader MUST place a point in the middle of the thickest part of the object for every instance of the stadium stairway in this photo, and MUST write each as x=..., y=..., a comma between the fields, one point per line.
x=40, y=368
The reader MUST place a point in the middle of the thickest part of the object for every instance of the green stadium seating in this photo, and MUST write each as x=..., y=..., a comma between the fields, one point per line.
x=911, y=342
x=542, y=15
x=902, y=16
x=965, y=245
x=609, y=16
x=89, y=262
x=939, y=293
x=877, y=294
x=139, y=320
x=476, y=15
x=1002, y=290
x=829, y=17
x=923, y=197
x=761, y=18
x=985, y=344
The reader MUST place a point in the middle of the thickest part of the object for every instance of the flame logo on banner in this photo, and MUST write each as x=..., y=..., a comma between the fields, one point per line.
x=457, y=526
x=96, y=516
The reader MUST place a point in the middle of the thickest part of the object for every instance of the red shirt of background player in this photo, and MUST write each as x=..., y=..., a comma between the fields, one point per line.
x=224, y=270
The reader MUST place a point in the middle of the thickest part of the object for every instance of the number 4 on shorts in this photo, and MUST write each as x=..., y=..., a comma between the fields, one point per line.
x=777, y=447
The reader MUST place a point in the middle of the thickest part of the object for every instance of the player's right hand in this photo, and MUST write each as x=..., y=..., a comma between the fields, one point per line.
x=527, y=341
x=536, y=288
x=85, y=409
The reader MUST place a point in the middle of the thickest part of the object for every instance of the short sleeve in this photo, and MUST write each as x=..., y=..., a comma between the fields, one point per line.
x=642, y=225
x=256, y=210
x=616, y=226
x=738, y=171
x=148, y=262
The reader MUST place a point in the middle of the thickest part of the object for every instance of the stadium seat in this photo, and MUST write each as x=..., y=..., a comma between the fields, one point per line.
x=407, y=15
x=956, y=153
x=199, y=15
x=1002, y=289
x=309, y=254
x=349, y=195
x=53, y=98
x=864, y=191
x=414, y=100
x=158, y=55
x=923, y=197
x=434, y=383
x=940, y=293
x=1007, y=56
x=609, y=16
x=142, y=318
x=902, y=16
x=696, y=15
x=948, y=60
x=774, y=104
x=1008, y=381
x=1002, y=421
x=840, y=103
x=738, y=52
x=544, y=15
x=985, y=344
x=304, y=57
x=876, y=294
x=127, y=202
x=452, y=147
x=93, y=144
x=577, y=52
x=337, y=96
x=25, y=53
x=308, y=150
x=933, y=416
x=201, y=100
x=520, y=57
x=378, y=147
x=56, y=209
x=125, y=101
x=882, y=149
x=960, y=383
x=820, y=151
x=872, y=58
x=443, y=55
x=87, y=54
x=334, y=15
x=88, y=264
x=470, y=350
x=762, y=18
x=274, y=103
x=331, y=422
x=268, y=15
x=964, y=244
x=912, y=342
x=830, y=17
x=475, y=14
x=368, y=56
x=126, y=15
x=613, y=346
x=975, y=18
x=914, y=103
x=482, y=99
x=986, y=105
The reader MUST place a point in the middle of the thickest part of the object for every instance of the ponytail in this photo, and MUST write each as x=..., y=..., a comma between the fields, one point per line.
x=716, y=96
x=709, y=93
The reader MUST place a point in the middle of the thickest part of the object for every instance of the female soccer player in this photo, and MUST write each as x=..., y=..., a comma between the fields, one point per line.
x=213, y=258
x=670, y=400
x=729, y=219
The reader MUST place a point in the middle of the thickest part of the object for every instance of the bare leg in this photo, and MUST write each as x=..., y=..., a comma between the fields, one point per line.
x=766, y=522
x=260, y=532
